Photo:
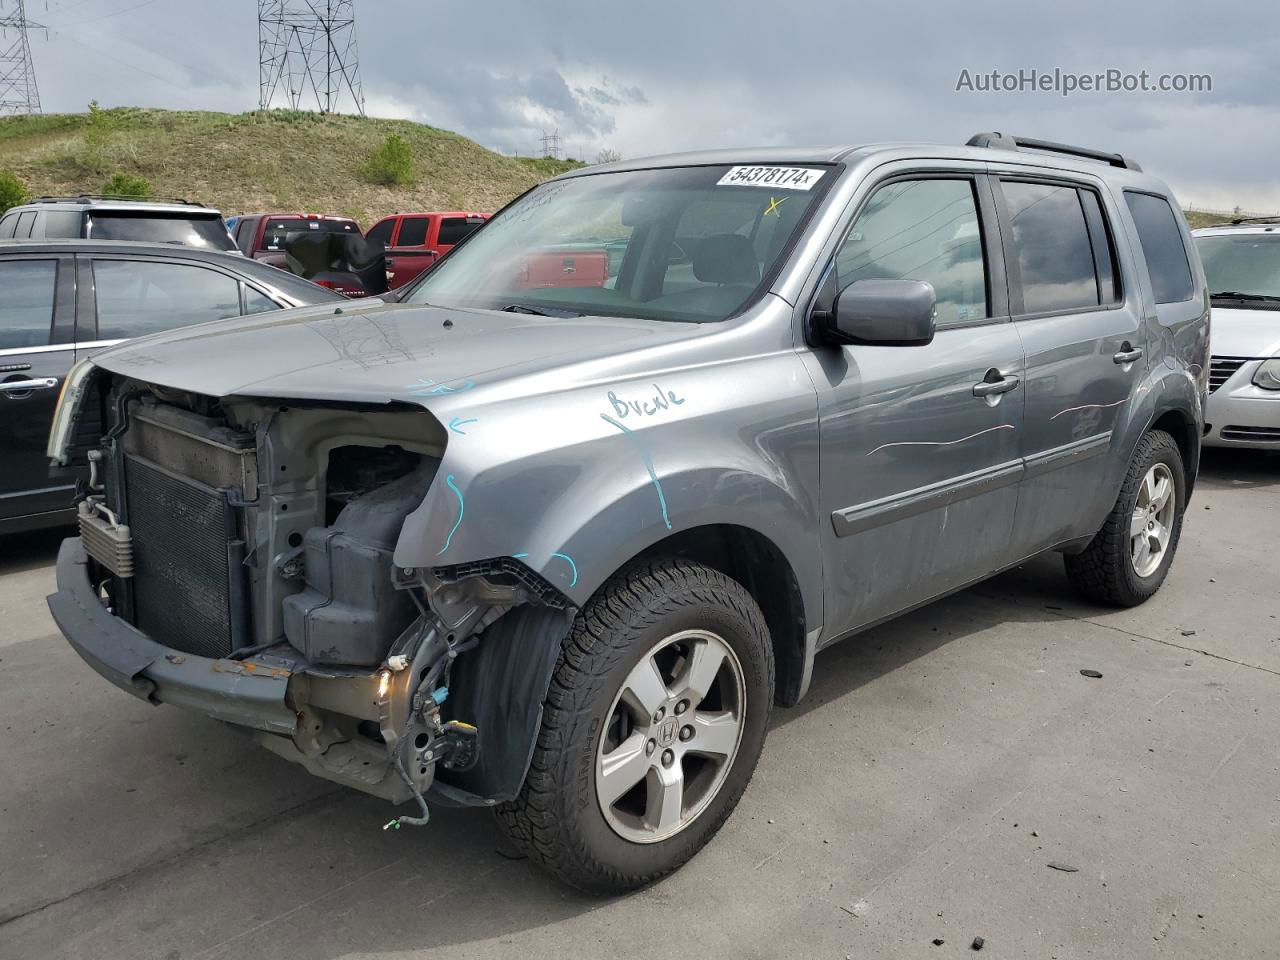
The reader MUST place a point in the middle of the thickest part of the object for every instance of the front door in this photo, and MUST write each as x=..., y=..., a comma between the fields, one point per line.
x=1081, y=333
x=920, y=457
x=36, y=353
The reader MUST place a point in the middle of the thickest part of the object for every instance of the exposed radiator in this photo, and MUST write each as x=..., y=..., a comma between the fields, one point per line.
x=182, y=476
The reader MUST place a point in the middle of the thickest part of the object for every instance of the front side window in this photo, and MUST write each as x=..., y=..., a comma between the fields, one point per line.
x=1242, y=266
x=1051, y=242
x=1162, y=247
x=692, y=244
x=413, y=232
x=138, y=297
x=26, y=309
x=921, y=230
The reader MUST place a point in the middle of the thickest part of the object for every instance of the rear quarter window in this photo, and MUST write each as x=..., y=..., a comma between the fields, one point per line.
x=63, y=224
x=1162, y=247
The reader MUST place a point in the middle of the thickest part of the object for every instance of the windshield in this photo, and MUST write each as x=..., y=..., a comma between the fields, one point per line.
x=1241, y=263
x=685, y=244
x=206, y=232
x=278, y=233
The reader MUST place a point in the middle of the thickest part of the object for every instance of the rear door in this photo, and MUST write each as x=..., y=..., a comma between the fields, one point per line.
x=920, y=457
x=133, y=297
x=36, y=352
x=1082, y=335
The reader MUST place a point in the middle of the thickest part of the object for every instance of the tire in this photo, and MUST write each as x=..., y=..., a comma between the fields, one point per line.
x=654, y=612
x=1108, y=571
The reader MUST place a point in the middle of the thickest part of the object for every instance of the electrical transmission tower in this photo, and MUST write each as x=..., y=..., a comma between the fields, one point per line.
x=18, y=91
x=551, y=144
x=307, y=54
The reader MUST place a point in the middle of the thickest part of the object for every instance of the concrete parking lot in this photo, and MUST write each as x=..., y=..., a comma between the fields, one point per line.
x=940, y=765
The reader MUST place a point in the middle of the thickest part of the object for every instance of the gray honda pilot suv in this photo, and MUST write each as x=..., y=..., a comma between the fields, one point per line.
x=553, y=532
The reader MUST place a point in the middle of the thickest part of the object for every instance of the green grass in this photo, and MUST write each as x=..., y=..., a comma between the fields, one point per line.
x=264, y=161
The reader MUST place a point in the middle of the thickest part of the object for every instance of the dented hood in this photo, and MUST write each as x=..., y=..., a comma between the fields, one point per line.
x=374, y=352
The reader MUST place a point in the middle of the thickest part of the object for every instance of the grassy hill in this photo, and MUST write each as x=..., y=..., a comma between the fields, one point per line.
x=277, y=160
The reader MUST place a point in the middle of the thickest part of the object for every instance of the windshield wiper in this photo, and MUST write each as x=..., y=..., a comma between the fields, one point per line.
x=1237, y=295
x=540, y=311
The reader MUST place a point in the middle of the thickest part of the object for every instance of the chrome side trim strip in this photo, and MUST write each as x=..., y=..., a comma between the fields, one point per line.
x=1048, y=460
x=866, y=516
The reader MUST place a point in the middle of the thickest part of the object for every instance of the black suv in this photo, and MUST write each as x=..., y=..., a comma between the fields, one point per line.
x=96, y=217
x=64, y=300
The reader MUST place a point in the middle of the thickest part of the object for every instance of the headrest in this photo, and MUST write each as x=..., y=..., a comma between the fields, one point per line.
x=725, y=258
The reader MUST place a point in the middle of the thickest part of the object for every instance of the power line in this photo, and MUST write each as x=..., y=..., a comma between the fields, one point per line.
x=18, y=90
x=307, y=53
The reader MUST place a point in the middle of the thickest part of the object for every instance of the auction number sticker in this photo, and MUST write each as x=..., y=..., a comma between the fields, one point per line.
x=783, y=178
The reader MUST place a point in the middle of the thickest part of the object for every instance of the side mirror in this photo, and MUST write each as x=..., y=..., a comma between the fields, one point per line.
x=889, y=313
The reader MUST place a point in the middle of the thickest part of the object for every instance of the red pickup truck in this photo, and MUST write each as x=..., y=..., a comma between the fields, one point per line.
x=415, y=241
x=263, y=235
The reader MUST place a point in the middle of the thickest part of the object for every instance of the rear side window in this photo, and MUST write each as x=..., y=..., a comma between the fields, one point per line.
x=381, y=232
x=140, y=297
x=1051, y=242
x=1162, y=247
x=1104, y=252
x=26, y=309
x=413, y=232
x=257, y=302
x=921, y=230
x=456, y=229
x=25, y=220
x=63, y=224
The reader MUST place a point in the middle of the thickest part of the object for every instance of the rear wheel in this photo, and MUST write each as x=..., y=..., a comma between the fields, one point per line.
x=652, y=728
x=1128, y=559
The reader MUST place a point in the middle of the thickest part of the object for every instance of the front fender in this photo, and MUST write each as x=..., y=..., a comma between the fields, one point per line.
x=575, y=482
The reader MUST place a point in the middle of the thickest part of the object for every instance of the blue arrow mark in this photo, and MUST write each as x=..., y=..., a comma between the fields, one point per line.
x=457, y=422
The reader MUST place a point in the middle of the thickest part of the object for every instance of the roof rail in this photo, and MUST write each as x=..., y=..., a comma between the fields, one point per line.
x=116, y=196
x=1005, y=141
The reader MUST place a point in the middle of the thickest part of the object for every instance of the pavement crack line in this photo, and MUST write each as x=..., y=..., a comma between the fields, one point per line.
x=167, y=859
x=1063, y=615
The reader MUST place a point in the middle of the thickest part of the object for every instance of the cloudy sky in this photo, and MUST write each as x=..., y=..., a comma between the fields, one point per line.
x=667, y=75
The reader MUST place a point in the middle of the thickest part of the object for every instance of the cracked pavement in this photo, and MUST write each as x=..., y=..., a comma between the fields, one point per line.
x=940, y=764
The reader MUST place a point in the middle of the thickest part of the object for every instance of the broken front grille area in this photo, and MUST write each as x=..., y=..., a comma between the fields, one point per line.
x=179, y=483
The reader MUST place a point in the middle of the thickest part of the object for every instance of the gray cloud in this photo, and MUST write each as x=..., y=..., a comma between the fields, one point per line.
x=670, y=75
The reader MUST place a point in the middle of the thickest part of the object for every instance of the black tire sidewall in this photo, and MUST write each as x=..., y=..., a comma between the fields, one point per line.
x=1164, y=450
x=584, y=819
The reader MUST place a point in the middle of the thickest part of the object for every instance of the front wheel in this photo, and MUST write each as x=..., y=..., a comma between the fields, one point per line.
x=652, y=727
x=1128, y=559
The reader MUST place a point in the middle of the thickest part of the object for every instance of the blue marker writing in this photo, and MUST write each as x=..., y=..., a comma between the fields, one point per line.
x=457, y=423
x=573, y=567
x=429, y=388
x=462, y=506
x=648, y=465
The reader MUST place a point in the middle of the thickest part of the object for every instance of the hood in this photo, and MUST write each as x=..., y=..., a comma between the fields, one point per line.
x=374, y=352
x=1244, y=333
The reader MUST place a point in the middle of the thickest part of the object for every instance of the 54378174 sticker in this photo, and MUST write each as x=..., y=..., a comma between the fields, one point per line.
x=783, y=178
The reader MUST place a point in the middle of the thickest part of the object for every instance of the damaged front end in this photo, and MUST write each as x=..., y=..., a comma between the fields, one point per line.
x=236, y=558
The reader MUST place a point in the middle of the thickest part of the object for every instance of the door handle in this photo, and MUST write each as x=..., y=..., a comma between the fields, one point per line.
x=25, y=386
x=1127, y=354
x=990, y=388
